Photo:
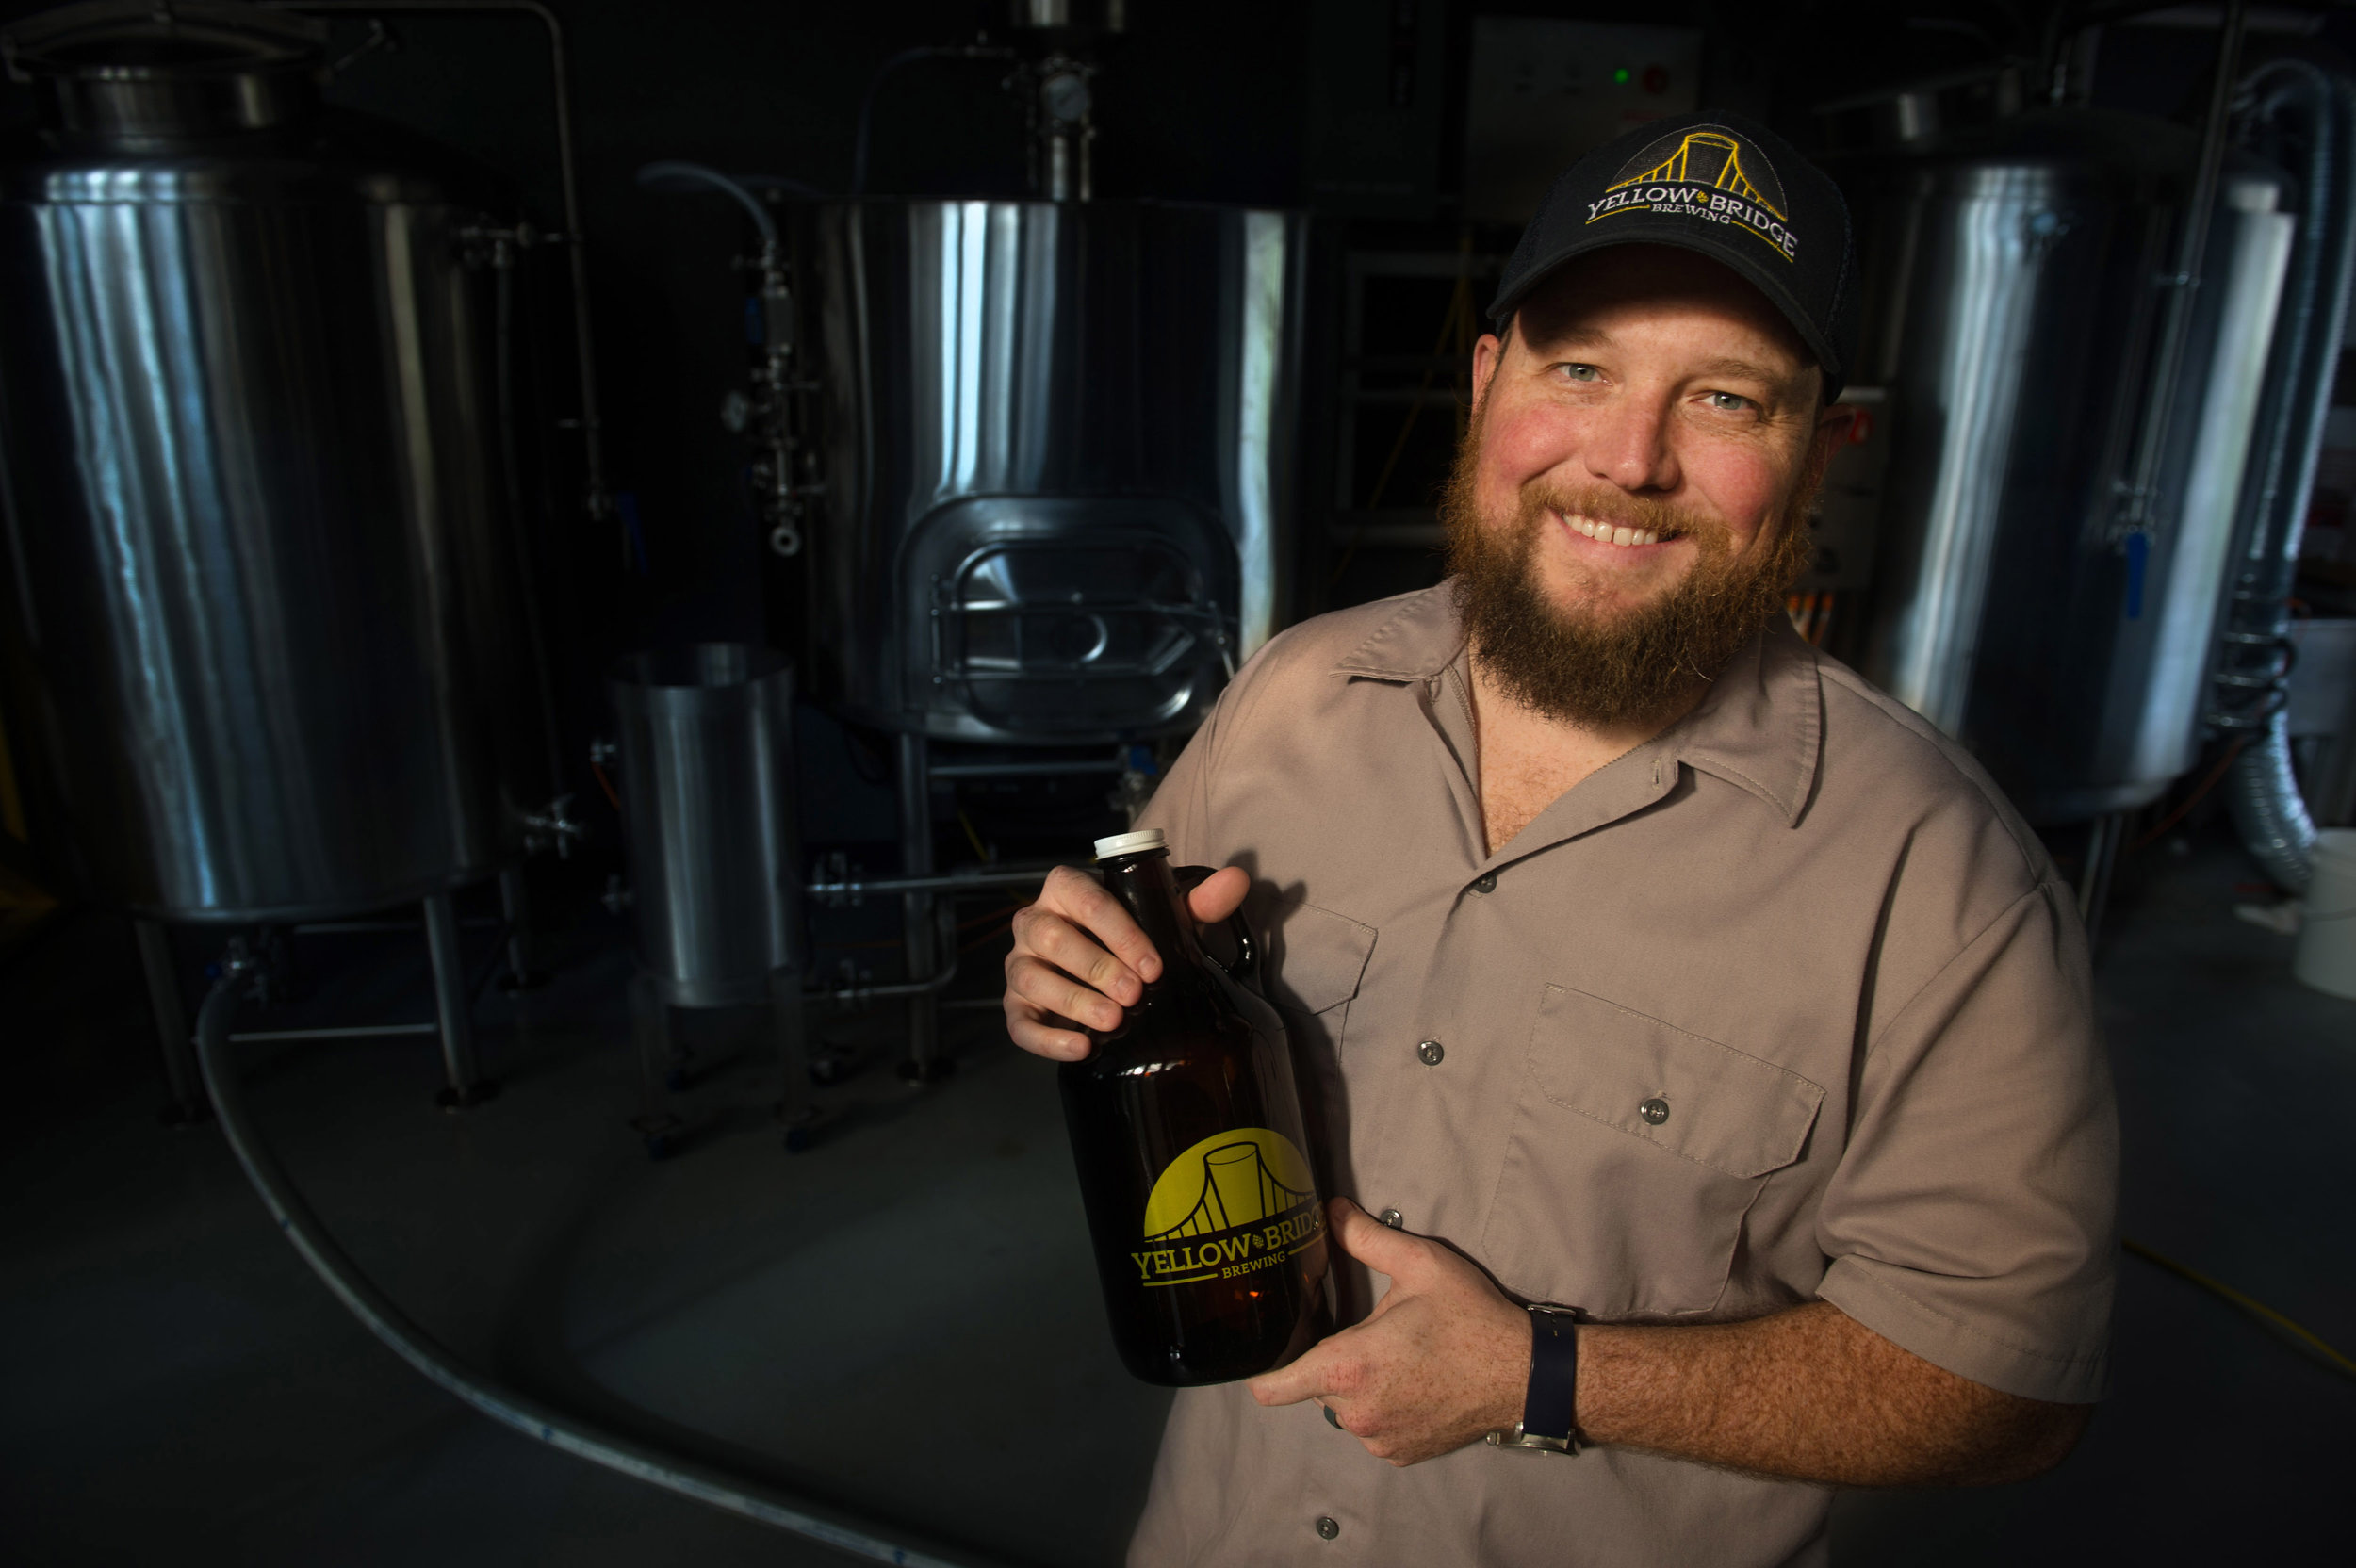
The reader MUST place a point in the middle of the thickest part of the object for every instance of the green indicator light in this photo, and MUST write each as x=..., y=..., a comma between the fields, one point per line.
x=1620, y=77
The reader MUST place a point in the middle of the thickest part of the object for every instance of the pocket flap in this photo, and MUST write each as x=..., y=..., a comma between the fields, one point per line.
x=1320, y=958
x=1715, y=1106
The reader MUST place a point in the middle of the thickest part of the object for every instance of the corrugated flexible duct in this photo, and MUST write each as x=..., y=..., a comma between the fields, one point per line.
x=2303, y=118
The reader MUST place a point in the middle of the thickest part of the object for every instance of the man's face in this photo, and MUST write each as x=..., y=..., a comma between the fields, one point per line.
x=1629, y=504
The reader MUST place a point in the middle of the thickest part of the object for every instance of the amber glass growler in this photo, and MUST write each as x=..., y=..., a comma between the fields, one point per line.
x=1194, y=1166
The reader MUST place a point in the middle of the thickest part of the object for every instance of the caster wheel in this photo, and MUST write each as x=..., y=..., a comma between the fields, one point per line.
x=659, y=1146
x=799, y=1140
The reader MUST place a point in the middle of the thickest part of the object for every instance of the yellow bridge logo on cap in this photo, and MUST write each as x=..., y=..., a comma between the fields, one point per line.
x=1708, y=172
x=1235, y=1204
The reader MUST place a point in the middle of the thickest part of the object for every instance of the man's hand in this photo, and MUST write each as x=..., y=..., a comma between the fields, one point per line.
x=1443, y=1359
x=1079, y=960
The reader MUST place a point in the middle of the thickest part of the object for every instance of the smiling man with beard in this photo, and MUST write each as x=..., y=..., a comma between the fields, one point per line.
x=1701, y=1044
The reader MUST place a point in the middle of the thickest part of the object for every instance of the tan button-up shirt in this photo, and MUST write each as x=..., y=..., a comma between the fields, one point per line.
x=1800, y=921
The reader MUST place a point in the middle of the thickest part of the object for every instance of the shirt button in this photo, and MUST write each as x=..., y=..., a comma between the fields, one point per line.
x=1486, y=883
x=1431, y=1051
x=1328, y=1527
x=1392, y=1217
x=1654, y=1110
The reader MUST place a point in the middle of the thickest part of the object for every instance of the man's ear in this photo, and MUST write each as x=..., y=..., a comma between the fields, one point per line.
x=1836, y=427
x=1488, y=354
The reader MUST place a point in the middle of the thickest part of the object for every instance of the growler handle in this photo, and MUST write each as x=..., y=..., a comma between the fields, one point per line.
x=1246, y=968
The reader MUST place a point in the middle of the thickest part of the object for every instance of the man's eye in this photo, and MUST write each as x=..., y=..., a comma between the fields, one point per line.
x=1582, y=372
x=1729, y=402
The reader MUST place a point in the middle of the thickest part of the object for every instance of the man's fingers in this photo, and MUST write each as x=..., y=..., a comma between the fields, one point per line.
x=1058, y=942
x=1219, y=895
x=1041, y=1034
x=1051, y=990
x=1082, y=902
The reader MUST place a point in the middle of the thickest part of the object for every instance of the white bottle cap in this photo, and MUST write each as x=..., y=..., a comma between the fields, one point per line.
x=1130, y=843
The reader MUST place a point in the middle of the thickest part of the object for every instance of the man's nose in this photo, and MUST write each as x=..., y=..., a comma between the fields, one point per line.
x=1627, y=445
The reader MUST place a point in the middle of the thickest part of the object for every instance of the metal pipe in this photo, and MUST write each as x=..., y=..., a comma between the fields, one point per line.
x=2151, y=442
x=347, y=1032
x=599, y=501
x=451, y=1003
x=938, y=983
x=2261, y=791
x=1025, y=770
x=957, y=882
x=172, y=1022
x=516, y=914
x=367, y=927
x=545, y=1423
x=916, y=905
x=518, y=524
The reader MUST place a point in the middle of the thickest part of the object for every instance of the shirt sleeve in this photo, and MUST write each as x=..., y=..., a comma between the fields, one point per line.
x=1181, y=803
x=1972, y=1218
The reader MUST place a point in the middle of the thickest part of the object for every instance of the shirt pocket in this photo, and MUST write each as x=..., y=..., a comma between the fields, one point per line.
x=1638, y=1149
x=1318, y=960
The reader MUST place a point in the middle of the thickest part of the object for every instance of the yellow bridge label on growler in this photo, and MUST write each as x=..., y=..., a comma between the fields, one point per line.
x=1235, y=1204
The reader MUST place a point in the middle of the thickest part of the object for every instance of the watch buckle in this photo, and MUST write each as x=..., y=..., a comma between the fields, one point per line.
x=1519, y=1438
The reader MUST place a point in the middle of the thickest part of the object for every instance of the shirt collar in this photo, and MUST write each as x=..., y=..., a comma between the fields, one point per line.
x=1760, y=727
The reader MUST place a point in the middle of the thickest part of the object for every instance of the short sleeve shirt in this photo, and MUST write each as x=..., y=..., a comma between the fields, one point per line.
x=1785, y=1004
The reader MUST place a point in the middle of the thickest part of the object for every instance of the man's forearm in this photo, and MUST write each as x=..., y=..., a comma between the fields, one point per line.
x=1813, y=1395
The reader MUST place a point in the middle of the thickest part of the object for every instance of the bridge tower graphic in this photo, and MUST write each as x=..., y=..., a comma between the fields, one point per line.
x=1238, y=1188
x=1708, y=158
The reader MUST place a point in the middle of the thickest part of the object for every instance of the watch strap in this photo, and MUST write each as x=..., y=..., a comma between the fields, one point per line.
x=1550, y=1404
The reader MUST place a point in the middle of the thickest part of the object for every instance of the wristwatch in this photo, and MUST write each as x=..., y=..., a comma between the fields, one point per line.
x=1549, y=1410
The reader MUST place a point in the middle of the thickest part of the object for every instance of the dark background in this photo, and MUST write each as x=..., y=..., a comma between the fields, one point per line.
x=1289, y=103
x=1210, y=100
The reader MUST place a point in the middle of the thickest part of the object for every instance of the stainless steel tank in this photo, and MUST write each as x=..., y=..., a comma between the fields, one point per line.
x=1058, y=459
x=2015, y=286
x=260, y=634
x=705, y=744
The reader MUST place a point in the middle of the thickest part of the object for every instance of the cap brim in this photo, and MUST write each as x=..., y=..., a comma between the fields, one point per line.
x=1751, y=269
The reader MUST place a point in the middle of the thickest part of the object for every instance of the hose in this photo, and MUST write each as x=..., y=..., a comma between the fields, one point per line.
x=671, y=174
x=519, y=1412
x=2305, y=118
x=860, y=139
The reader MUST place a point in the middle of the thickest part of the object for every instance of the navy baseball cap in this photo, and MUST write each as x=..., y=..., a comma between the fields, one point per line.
x=1724, y=187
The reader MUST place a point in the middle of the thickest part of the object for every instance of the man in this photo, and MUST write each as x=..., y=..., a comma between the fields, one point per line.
x=1648, y=963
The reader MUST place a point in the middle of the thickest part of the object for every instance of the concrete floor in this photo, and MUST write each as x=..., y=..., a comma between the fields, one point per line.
x=903, y=1322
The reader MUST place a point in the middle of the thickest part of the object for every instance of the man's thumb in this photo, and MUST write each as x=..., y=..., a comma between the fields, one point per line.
x=1371, y=1242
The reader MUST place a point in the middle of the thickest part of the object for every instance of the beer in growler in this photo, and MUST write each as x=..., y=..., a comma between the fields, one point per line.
x=1186, y=1128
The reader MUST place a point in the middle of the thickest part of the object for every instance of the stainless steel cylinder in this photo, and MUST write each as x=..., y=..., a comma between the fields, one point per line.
x=261, y=644
x=1058, y=459
x=705, y=744
x=2015, y=286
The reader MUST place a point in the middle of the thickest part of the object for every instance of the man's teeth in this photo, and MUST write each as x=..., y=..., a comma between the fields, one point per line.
x=1604, y=533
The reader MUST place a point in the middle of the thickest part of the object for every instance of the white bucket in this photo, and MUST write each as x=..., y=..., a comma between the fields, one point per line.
x=2327, y=932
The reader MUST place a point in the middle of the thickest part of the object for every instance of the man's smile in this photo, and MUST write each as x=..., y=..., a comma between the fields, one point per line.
x=1617, y=535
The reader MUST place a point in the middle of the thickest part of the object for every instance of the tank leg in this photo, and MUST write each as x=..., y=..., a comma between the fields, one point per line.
x=2103, y=836
x=923, y=1064
x=186, y=1090
x=650, y=1038
x=797, y=1111
x=467, y=1086
x=516, y=909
